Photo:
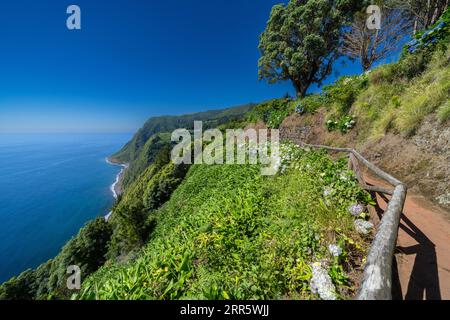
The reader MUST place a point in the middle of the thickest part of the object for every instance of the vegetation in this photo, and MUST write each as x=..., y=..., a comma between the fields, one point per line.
x=271, y=112
x=311, y=103
x=439, y=34
x=146, y=156
x=226, y=231
x=401, y=95
x=155, y=135
x=393, y=97
x=211, y=119
x=229, y=233
x=301, y=41
x=423, y=13
x=343, y=124
x=133, y=217
x=86, y=250
x=342, y=94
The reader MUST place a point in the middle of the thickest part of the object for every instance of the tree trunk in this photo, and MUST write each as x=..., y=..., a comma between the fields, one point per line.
x=366, y=65
x=300, y=87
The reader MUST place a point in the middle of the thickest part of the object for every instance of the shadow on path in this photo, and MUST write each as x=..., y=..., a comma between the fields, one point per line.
x=423, y=282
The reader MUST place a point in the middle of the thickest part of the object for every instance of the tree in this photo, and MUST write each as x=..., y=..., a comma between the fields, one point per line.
x=424, y=13
x=370, y=46
x=301, y=41
x=86, y=250
x=18, y=288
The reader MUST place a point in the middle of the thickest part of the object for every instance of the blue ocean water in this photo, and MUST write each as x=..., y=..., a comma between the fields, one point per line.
x=50, y=186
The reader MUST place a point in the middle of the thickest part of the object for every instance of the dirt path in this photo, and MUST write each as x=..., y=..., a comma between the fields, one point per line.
x=423, y=248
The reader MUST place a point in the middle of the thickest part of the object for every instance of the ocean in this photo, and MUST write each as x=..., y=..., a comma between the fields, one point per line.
x=50, y=186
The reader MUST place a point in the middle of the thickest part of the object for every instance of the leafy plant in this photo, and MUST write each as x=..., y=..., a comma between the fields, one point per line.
x=427, y=40
x=311, y=103
x=229, y=233
x=344, y=92
x=272, y=113
x=344, y=124
x=301, y=41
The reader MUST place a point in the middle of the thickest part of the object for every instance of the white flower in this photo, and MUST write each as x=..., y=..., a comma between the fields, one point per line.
x=335, y=250
x=363, y=227
x=356, y=209
x=327, y=191
x=321, y=282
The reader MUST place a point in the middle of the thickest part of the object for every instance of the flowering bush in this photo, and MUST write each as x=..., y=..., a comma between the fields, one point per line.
x=344, y=124
x=311, y=103
x=335, y=250
x=321, y=283
x=439, y=33
x=356, y=209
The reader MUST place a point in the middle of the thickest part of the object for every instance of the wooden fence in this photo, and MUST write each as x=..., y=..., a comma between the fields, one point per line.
x=377, y=278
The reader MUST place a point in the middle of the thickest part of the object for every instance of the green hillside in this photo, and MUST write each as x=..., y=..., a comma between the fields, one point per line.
x=226, y=231
x=155, y=133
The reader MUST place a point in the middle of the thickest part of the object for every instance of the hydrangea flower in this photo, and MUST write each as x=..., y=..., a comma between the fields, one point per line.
x=363, y=227
x=300, y=109
x=335, y=250
x=327, y=191
x=356, y=209
x=427, y=39
x=440, y=25
x=321, y=283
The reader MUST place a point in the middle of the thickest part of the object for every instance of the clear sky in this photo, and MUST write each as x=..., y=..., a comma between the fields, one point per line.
x=132, y=59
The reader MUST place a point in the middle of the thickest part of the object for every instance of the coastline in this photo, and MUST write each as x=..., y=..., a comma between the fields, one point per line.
x=116, y=188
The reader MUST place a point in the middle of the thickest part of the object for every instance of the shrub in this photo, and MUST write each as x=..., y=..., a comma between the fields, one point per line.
x=310, y=103
x=19, y=288
x=406, y=68
x=87, y=250
x=428, y=40
x=272, y=113
x=344, y=124
x=345, y=91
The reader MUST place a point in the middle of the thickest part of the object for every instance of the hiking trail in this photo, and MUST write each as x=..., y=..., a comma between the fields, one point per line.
x=422, y=252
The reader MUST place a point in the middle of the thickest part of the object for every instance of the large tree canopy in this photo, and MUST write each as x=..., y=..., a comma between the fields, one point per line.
x=301, y=41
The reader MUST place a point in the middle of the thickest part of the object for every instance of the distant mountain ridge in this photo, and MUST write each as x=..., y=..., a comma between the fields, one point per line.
x=211, y=119
x=141, y=150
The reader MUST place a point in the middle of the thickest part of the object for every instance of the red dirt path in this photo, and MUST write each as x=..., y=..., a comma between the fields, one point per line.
x=423, y=249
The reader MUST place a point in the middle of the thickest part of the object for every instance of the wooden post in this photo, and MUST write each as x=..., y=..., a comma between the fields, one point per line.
x=377, y=278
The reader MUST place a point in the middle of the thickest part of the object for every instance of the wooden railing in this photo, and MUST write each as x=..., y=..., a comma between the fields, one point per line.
x=377, y=278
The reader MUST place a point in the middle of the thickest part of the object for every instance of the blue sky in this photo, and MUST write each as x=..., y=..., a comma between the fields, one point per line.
x=132, y=59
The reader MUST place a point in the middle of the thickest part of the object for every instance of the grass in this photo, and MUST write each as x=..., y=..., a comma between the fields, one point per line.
x=425, y=95
x=229, y=233
x=444, y=112
x=397, y=103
